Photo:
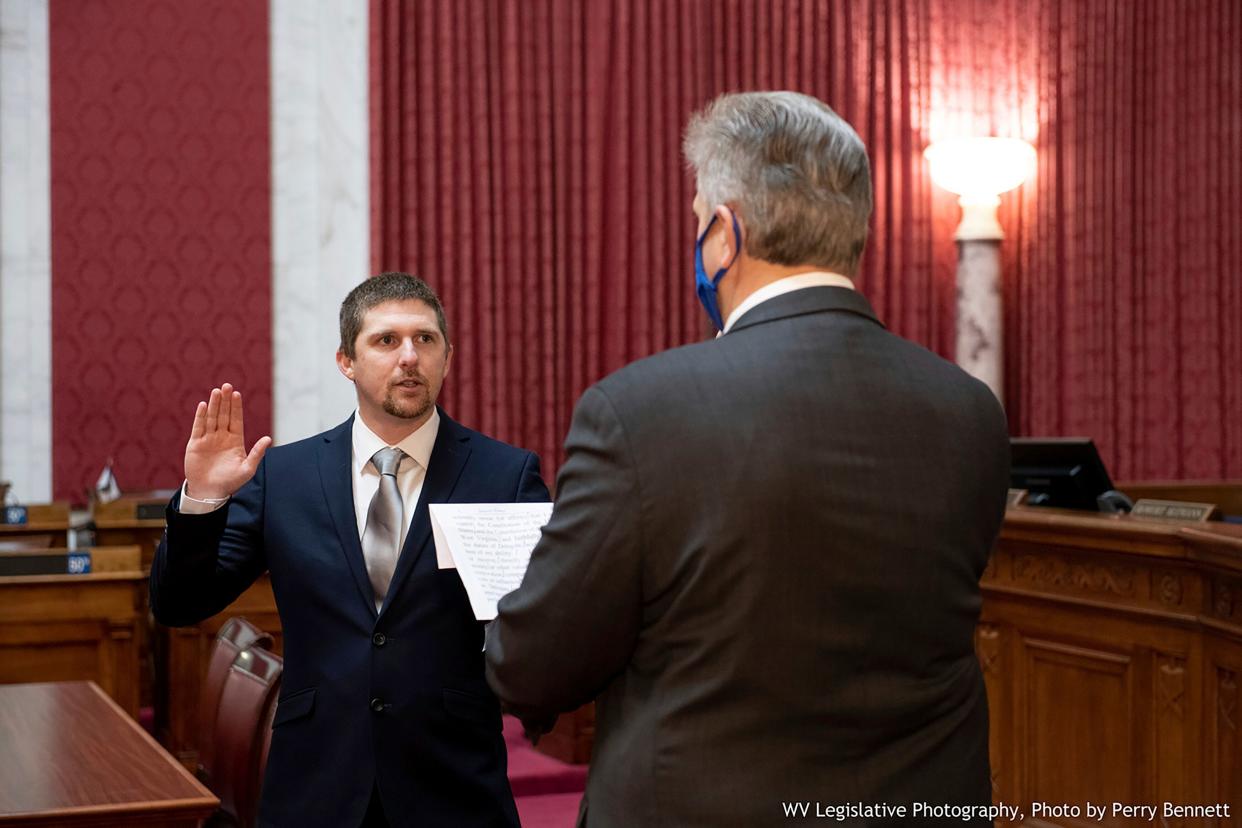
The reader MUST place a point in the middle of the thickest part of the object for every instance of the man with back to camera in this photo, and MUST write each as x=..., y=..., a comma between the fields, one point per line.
x=385, y=717
x=765, y=553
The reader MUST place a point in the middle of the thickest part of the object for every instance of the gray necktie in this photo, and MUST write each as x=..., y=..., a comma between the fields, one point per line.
x=381, y=540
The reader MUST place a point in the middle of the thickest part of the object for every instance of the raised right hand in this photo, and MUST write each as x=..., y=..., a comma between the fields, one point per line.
x=216, y=462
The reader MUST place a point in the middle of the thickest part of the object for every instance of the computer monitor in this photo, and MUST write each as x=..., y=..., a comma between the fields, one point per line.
x=1065, y=472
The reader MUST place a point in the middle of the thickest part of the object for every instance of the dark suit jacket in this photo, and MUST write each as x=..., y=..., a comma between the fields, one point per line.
x=434, y=747
x=764, y=560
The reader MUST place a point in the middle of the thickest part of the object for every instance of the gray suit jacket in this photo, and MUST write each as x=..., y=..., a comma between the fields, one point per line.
x=764, y=561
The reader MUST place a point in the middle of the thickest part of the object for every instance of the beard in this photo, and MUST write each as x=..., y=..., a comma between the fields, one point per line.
x=408, y=409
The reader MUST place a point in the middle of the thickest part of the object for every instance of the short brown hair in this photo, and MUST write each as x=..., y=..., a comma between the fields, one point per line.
x=392, y=286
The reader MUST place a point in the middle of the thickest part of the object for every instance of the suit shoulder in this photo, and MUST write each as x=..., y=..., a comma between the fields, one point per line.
x=949, y=373
x=296, y=448
x=954, y=383
x=307, y=446
x=491, y=446
x=653, y=374
x=993, y=411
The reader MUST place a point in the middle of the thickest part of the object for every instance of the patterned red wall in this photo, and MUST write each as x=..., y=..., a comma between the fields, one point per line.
x=161, y=273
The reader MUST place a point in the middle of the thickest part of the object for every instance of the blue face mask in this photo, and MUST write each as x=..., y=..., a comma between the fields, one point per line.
x=705, y=287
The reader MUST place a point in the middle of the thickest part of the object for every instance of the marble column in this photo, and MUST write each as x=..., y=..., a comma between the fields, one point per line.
x=320, y=203
x=25, y=253
x=979, y=344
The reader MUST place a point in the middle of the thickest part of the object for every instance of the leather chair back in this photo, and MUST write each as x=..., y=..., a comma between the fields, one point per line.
x=236, y=635
x=243, y=719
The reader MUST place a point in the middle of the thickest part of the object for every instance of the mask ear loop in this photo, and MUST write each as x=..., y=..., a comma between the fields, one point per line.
x=737, y=247
x=698, y=243
x=708, y=285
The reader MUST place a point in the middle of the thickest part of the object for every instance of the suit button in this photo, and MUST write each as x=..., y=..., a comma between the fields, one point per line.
x=377, y=705
x=378, y=639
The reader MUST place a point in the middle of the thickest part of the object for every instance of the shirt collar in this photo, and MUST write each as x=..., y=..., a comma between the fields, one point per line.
x=417, y=444
x=783, y=286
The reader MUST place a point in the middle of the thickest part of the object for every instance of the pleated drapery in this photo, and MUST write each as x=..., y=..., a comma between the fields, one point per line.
x=526, y=161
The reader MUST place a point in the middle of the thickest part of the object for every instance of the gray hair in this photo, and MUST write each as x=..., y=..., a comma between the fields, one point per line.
x=386, y=287
x=793, y=169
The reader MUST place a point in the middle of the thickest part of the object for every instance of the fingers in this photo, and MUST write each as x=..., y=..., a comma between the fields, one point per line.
x=213, y=411
x=218, y=412
x=256, y=454
x=235, y=424
x=226, y=407
x=200, y=421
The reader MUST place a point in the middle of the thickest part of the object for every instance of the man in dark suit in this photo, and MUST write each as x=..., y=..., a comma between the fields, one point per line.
x=384, y=715
x=765, y=553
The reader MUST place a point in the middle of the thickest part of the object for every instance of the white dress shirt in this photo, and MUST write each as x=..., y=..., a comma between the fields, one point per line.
x=410, y=474
x=783, y=286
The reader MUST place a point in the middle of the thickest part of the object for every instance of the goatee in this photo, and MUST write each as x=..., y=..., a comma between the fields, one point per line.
x=406, y=412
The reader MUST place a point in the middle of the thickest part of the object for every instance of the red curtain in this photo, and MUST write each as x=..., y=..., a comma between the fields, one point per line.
x=1122, y=279
x=526, y=161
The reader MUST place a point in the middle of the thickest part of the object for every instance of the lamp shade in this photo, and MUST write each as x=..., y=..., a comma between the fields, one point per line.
x=979, y=169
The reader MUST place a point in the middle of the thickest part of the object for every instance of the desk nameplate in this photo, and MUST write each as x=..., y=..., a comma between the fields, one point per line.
x=132, y=509
x=1174, y=510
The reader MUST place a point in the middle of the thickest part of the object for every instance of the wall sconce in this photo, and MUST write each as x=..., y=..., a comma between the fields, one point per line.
x=978, y=170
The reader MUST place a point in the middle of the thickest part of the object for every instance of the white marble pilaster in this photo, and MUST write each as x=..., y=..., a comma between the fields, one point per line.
x=979, y=344
x=25, y=253
x=320, y=203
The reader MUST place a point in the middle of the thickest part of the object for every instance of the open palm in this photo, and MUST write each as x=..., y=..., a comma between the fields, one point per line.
x=216, y=461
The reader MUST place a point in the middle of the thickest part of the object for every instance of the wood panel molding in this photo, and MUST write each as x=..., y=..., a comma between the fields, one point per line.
x=1223, y=603
x=1130, y=646
x=1171, y=686
x=987, y=647
x=1053, y=572
x=1227, y=699
x=1171, y=589
x=74, y=627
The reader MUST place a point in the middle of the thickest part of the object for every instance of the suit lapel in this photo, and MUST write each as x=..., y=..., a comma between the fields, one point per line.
x=448, y=458
x=336, y=475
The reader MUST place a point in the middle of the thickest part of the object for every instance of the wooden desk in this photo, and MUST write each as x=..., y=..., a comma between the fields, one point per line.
x=137, y=518
x=72, y=757
x=1112, y=650
x=67, y=627
x=134, y=518
x=42, y=519
x=181, y=667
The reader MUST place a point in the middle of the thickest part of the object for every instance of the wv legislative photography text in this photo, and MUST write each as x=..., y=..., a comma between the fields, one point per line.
x=1004, y=812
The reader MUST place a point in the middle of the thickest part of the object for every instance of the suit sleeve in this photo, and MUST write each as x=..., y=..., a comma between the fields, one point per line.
x=205, y=561
x=571, y=626
x=531, y=488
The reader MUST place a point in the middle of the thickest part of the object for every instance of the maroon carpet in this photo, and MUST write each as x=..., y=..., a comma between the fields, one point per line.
x=547, y=790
